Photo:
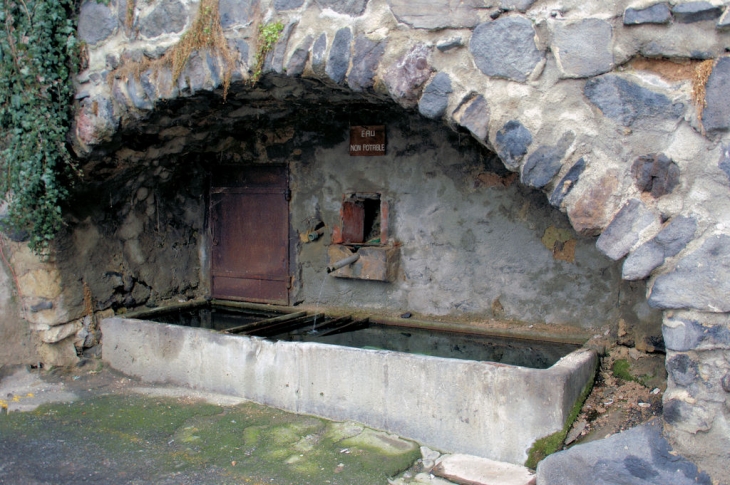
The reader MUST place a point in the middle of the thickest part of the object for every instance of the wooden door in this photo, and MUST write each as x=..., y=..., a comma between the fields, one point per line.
x=249, y=216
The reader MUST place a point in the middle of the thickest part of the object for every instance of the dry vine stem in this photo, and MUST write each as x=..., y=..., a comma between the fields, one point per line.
x=205, y=33
x=699, y=81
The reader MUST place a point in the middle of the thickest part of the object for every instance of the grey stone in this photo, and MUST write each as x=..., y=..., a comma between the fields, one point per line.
x=406, y=77
x=241, y=46
x=96, y=22
x=319, y=49
x=716, y=115
x=349, y=7
x=566, y=184
x=724, y=162
x=686, y=416
x=275, y=60
x=449, y=44
x=236, y=12
x=639, y=456
x=506, y=48
x=583, y=48
x=298, y=59
x=147, y=79
x=365, y=61
x=725, y=382
x=167, y=17
x=437, y=14
x=700, y=281
x=512, y=142
x=628, y=103
x=520, y=5
x=339, y=59
x=473, y=115
x=435, y=97
x=684, y=334
x=545, y=162
x=287, y=4
x=676, y=235
x=625, y=229
x=689, y=12
x=683, y=370
x=669, y=242
x=724, y=22
x=656, y=14
x=642, y=261
x=137, y=95
x=41, y=306
x=656, y=174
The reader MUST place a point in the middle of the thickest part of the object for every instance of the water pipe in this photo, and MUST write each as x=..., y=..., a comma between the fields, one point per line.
x=343, y=262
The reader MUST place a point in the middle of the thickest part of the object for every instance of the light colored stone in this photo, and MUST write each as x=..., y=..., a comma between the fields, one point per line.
x=60, y=332
x=41, y=283
x=473, y=470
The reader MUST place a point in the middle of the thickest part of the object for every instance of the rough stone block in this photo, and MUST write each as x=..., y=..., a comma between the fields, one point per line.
x=724, y=22
x=167, y=17
x=628, y=103
x=435, y=14
x=566, y=184
x=339, y=59
x=724, y=162
x=449, y=44
x=656, y=174
x=643, y=261
x=275, y=60
x=656, y=14
x=689, y=12
x=626, y=228
x=506, y=48
x=298, y=59
x=716, y=115
x=319, y=49
x=287, y=4
x=639, y=456
x=676, y=235
x=512, y=142
x=583, y=48
x=519, y=5
x=365, y=61
x=700, y=281
x=236, y=12
x=96, y=22
x=473, y=115
x=474, y=470
x=59, y=332
x=682, y=334
x=405, y=78
x=435, y=97
x=348, y=7
x=545, y=162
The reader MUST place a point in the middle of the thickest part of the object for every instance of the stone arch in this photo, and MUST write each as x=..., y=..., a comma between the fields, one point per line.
x=593, y=105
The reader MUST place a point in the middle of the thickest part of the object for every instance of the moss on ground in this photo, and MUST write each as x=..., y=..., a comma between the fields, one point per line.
x=247, y=443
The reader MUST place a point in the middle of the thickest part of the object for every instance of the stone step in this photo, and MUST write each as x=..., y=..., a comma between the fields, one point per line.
x=473, y=470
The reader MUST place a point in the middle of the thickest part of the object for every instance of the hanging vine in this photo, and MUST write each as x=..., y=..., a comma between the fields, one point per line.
x=37, y=52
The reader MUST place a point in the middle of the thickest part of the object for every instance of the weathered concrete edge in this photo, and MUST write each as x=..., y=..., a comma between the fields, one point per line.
x=496, y=411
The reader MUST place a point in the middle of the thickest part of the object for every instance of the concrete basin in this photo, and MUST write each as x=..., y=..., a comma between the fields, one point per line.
x=486, y=409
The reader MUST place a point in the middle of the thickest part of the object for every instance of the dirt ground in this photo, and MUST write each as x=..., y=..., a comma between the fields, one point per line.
x=619, y=402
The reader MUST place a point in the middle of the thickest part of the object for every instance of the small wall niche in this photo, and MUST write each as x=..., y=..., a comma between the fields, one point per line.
x=363, y=230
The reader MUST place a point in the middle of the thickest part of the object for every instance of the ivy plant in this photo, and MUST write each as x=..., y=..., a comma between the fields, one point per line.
x=37, y=53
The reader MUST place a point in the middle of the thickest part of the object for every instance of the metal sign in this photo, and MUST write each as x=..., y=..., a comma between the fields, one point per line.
x=367, y=141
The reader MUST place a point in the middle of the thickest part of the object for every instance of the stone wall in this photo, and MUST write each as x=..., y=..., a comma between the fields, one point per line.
x=591, y=103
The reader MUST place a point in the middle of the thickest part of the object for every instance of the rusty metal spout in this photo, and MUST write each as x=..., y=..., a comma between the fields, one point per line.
x=343, y=262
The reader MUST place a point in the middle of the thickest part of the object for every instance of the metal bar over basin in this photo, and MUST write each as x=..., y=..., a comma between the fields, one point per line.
x=252, y=326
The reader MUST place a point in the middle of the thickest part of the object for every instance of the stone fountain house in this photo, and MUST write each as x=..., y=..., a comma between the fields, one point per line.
x=564, y=165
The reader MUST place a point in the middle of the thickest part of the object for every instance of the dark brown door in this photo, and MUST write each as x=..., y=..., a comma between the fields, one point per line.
x=250, y=234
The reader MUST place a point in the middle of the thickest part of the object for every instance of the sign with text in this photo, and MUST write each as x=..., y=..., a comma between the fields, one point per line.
x=367, y=141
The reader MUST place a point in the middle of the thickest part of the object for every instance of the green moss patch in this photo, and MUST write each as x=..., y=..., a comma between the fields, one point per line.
x=151, y=439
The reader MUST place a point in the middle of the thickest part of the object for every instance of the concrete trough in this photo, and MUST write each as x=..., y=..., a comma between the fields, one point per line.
x=486, y=409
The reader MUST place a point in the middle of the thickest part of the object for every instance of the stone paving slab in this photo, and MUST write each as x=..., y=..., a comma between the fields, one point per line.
x=473, y=470
x=639, y=456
